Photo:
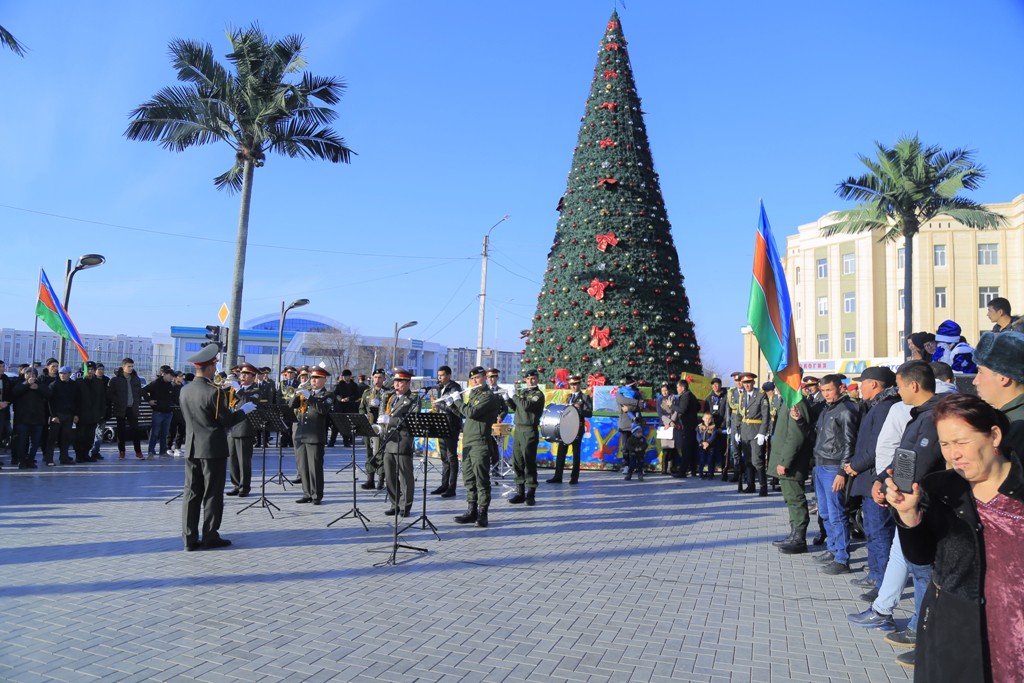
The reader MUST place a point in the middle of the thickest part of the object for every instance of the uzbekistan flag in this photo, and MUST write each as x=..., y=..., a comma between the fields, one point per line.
x=770, y=314
x=50, y=311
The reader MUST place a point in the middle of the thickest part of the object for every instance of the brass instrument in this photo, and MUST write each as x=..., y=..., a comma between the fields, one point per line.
x=301, y=410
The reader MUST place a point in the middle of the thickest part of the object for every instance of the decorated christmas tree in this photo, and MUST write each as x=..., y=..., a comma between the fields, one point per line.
x=613, y=300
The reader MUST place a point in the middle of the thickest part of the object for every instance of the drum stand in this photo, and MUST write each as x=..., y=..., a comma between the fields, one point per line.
x=265, y=415
x=353, y=424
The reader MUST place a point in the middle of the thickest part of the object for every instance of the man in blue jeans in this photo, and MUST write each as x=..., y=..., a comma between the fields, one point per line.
x=833, y=450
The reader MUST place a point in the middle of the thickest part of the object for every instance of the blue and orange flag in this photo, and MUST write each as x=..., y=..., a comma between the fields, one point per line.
x=51, y=312
x=770, y=314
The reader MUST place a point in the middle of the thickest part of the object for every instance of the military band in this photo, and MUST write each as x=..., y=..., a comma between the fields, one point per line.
x=398, y=443
x=242, y=438
x=480, y=407
x=528, y=406
x=313, y=405
x=370, y=405
x=448, y=448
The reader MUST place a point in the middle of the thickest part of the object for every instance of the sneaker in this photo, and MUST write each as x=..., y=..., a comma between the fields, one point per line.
x=833, y=568
x=863, y=582
x=869, y=618
x=825, y=556
x=904, y=638
x=906, y=660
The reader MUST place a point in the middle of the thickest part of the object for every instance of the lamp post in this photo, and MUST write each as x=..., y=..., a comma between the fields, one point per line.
x=483, y=293
x=85, y=261
x=280, y=334
x=394, y=349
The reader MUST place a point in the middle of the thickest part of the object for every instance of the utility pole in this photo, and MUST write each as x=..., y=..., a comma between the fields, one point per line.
x=483, y=293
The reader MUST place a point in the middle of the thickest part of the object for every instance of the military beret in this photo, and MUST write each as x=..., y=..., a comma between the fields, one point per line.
x=477, y=370
x=529, y=373
x=379, y=371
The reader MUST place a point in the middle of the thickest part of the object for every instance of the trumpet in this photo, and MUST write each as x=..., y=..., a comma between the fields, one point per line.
x=449, y=400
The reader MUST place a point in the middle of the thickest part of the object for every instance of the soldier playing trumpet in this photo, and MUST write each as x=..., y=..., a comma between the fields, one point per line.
x=448, y=448
x=242, y=435
x=312, y=404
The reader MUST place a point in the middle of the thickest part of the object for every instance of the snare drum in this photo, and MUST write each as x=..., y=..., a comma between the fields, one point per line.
x=561, y=424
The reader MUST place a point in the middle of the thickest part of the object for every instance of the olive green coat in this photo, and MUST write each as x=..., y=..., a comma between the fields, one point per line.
x=791, y=444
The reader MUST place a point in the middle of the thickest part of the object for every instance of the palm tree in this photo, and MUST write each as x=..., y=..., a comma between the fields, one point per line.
x=11, y=43
x=254, y=110
x=905, y=187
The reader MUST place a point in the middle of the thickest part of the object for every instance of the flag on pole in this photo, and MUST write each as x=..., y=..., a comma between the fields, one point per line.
x=51, y=312
x=770, y=314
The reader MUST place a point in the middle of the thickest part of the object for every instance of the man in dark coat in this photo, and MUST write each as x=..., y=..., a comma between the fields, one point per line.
x=125, y=394
x=790, y=461
x=208, y=418
x=62, y=420
x=448, y=448
x=717, y=404
x=160, y=394
x=90, y=407
x=30, y=415
x=346, y=400
x=5, y=406
x=583, y=403
x=687, y=409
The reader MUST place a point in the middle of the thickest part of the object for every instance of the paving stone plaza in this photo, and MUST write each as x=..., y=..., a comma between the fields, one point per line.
x=664, y=580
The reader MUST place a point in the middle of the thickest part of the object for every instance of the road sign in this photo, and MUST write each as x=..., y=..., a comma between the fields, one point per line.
x=222, y=314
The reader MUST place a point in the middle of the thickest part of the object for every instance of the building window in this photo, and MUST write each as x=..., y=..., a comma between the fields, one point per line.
x=822, y=268
x=939, y=256
x=798, y=274
x=849, y=302
x=850, y=342
x=988, y=254
x=901, y=257
x=799, y=346
x=940, y=297
x=822, y=305
x=193, y=346
x=985, y=295
x=822, y=344
x=901, y=300
x=849, y=264
x=798, y=309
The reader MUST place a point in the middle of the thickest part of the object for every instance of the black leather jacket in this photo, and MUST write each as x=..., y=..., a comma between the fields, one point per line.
x=837, y=433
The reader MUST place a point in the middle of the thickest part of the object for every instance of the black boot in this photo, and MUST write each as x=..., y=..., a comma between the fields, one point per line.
x=520, y=496
x=531, y=499
x=822, y=533
x=439, y=490
x=481, y=518
x=368, y=484
x=783, y=541
x=470, y=516
x=798, y=545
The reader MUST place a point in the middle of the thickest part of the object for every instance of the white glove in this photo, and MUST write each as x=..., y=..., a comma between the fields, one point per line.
x=383, y=419
x=375, y=402
x=760, y=438
x=236, y=386
x=737, y=438
x=304, y=393
x=247, y=407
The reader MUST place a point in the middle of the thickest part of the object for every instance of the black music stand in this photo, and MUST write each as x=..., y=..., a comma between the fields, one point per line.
x=427, y=426
x=352, y=463
x=395, y=545
x=353, y=424
x=266, y=416
x=281, y=423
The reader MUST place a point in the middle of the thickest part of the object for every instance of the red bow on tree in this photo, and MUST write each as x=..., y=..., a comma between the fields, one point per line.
x=608, y=183
x=612, y=25
x=600, y=338
x=597, y=380
x=606, y=143
x=605, y=241
x=609, y=74
x=596, y=288
x=610, y=106
x=611, y=46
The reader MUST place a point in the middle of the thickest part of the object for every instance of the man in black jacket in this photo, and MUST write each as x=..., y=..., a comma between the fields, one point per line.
x=5, y=406
x=585, y=405
x=125, y=394
x=833, y=450
x=90, y=407
x=448, y=449
x=346, y=400
x=160, y=394
x=688, y=419
x=878, y=390
x=62, y=420
x=30, y=414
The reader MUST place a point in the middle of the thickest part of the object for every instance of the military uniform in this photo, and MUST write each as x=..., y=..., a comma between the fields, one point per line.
x=493, y=445
x=370, y=405
x=242, y=440
x=398, y=451
x=480, y=408
x=585, y=405
x=732, y=426
x=204, y=407
x=311, y=437
x=754, y=423
x=528, y=406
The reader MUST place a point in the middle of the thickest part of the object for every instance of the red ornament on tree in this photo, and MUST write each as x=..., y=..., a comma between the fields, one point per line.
x=606, y=240
x=596, y=288
x=600, y=338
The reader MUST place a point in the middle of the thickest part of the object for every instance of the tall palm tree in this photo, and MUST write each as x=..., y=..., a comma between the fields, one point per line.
x=254, y=110
x=11, y=43
x=905, y=187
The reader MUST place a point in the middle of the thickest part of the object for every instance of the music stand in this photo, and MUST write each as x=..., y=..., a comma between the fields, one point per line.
x=353, y=424
x=351, y=464
x=265, y=416
x=281, y=423
x=395, y=545
x=427, y=426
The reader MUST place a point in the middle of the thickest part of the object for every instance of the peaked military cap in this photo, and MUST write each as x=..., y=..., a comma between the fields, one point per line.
x=204, y=356
x=402, y=373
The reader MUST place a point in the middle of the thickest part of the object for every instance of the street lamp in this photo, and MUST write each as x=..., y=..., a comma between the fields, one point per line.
x=483, y=293
x=280, y=334
x=85, y=261
x=394, y=349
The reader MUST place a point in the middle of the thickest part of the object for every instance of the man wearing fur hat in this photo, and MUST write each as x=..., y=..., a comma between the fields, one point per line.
x=951, y=349
x=1000, y=380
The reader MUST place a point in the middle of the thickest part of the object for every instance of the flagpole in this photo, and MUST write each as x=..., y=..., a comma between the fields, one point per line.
x=35, y=316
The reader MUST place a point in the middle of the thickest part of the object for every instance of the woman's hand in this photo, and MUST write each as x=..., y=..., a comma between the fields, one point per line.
x=907, y=504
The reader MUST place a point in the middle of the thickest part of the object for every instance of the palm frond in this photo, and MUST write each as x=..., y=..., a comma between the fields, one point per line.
x=307, y=141
x=177, y=119
x=8, y=40
x=230, y=180
x=196, y=63
x=326, y=89
x=863, y=218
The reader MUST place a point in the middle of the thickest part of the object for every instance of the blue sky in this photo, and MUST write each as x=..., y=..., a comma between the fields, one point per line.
x=462, y=112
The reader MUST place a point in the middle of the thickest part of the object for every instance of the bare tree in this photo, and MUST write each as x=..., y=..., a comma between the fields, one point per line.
x=337, y=348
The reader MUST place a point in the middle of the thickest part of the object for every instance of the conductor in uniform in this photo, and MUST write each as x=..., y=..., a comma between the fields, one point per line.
x=398, y=449
x=313, y=406
x=528, y=406
x=585, y=405
x=480, y=406
x=204, y=407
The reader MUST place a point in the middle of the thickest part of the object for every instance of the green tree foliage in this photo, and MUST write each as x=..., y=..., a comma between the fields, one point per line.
x=613, y=300
x=11, y=43
x=905, y=187
x=267, y=104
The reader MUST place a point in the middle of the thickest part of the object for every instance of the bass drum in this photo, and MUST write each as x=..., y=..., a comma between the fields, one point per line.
x=561, y=424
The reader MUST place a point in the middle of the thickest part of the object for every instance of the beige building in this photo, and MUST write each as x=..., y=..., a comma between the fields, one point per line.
x=847, y=290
